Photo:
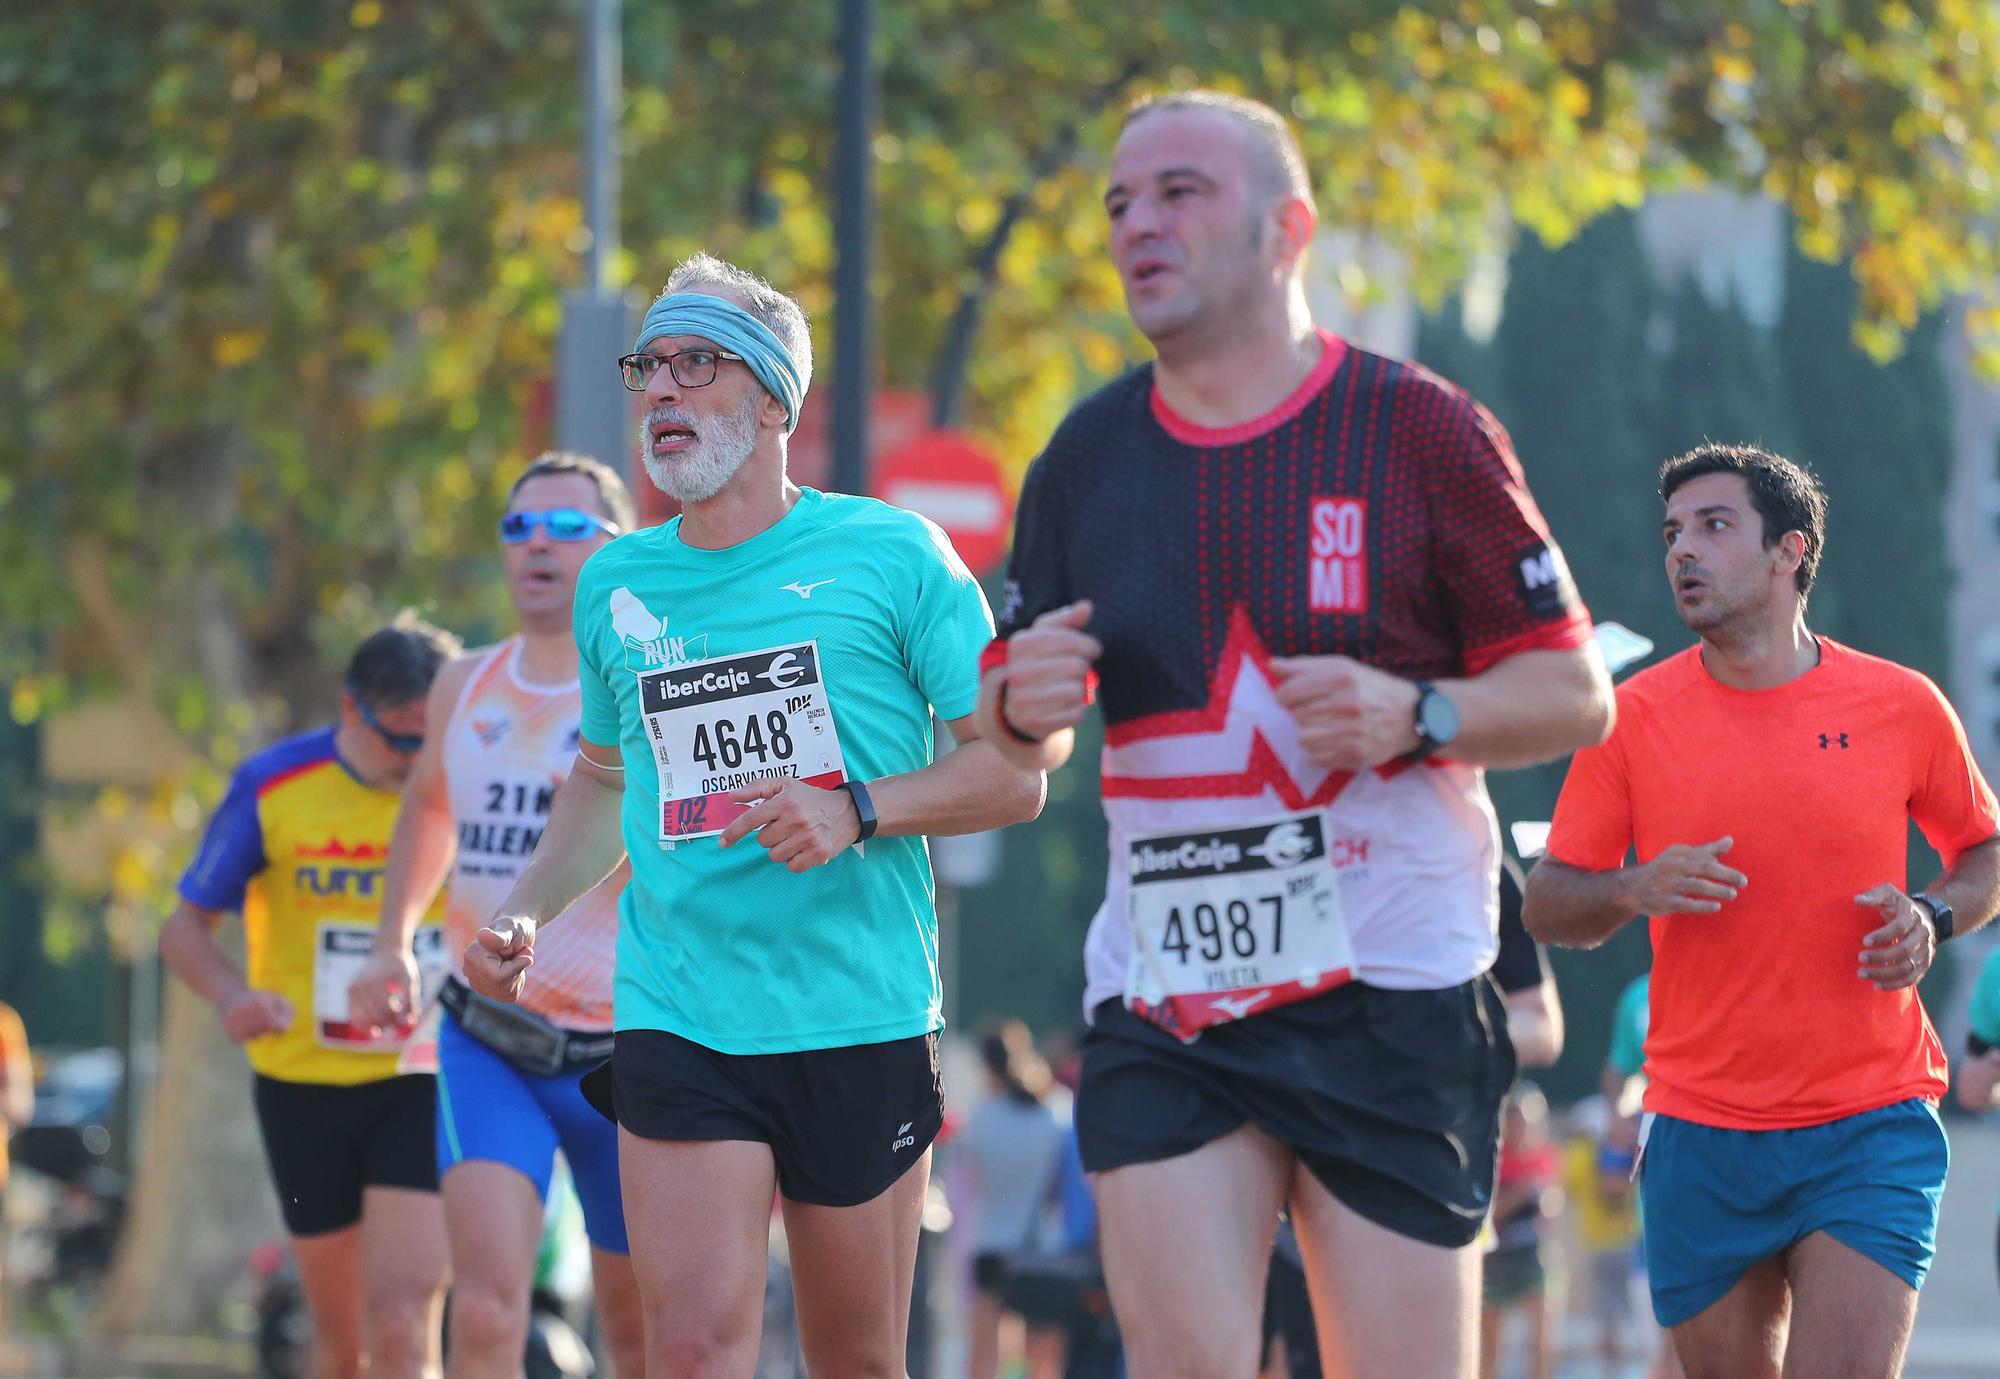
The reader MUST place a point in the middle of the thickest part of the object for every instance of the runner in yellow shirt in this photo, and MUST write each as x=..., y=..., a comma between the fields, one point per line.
x=297, y=847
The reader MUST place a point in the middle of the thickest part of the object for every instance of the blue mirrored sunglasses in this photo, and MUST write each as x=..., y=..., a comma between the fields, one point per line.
x=403, y=744
x=562, y=524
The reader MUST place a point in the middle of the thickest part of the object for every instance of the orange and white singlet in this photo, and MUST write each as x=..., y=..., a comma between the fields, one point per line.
x=509, y=744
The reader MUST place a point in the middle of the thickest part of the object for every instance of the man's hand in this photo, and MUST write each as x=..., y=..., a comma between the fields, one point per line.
x=800, y=825
x=253, y=1014
x=1901, y=951
x=497, y=960
x=1351, y=717
x=1684, y=880
x=384, y=996
x=1048, y=665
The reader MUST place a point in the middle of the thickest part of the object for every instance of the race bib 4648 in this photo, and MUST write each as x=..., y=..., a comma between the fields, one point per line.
x=717, y=725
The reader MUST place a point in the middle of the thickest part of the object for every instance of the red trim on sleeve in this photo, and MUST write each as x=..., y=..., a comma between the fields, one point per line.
x=1191, y=433
x=1562, y=636
x=294, y=773
x=994, y=656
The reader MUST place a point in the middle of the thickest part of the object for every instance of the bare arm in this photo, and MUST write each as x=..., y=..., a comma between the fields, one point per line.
x=1573, y=907
x=1535, y=1024
x=1978, y=1082
x=17, y=1086
x=187, y=946
x=970, y=788
x=973, y=787
x=1040, y=690
x=1971, y=886
x=1901, y=951
x=1049, y=754
x=1528, y=708
x=583, y=842
x=421, y=849
x=423, y=846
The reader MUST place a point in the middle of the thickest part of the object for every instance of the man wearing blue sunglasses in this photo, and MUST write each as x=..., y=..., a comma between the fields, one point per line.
x=764, y=669
x=504, y=734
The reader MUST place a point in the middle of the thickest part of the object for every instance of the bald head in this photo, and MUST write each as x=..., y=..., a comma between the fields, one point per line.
x=1278, y=168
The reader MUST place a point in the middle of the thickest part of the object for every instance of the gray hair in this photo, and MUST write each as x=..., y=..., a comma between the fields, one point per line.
x=1281, y=167
x=779, y=312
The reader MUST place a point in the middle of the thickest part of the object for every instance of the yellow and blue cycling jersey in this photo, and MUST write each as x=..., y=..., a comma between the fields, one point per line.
x=298, y=846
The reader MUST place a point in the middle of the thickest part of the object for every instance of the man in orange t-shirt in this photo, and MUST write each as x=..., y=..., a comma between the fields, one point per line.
x=1766, y=779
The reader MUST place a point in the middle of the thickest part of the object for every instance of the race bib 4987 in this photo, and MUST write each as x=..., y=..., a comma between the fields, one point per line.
x=1233, y=922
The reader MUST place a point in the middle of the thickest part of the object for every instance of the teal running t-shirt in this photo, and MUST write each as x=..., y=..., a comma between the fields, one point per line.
x=816, y=650
x=1628, y=1026
x=1985, y=1008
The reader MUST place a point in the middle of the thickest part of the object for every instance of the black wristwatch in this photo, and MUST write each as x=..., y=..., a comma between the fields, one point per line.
x=863, y=806
x=1941, y=916
x=1437, y=720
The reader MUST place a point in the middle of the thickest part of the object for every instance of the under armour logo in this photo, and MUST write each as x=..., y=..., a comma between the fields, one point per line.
x=1827, y=740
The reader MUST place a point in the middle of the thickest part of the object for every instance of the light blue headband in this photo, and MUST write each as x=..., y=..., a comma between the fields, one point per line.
x=734, y=329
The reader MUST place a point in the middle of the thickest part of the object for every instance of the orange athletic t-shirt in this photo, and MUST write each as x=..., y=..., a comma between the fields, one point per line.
x=1758, y=1020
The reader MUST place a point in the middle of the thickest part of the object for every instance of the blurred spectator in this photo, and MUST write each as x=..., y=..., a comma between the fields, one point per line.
x=1534, y=1010
x=1013, y=1148
x=1291, y=1339
x=1523, y=1273
x=1624, y=1086
x=1979, y=1073
x=1607, y=1227
x=17, y=1107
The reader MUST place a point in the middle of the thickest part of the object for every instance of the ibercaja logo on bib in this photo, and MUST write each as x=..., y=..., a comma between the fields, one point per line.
x=734, y=678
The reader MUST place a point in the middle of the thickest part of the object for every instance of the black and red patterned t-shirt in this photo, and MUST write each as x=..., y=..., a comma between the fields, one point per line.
x=1378, y=513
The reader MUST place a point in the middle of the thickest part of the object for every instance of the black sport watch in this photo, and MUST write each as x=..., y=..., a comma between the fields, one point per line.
x=863, y=806
x=1437, y=720
x=1941, y=916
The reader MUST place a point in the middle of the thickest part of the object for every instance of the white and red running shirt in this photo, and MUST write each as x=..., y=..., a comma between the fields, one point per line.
x=507, y=747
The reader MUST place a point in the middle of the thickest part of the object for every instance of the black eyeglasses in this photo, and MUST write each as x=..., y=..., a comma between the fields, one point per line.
x=690, y=368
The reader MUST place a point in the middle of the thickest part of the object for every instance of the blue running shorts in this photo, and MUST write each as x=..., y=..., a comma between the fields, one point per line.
x=1716, y=1201
x=489, y=1109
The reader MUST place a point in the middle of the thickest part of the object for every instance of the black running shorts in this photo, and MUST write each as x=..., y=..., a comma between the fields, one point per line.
x=327, y=1144
x=1391, y=1098
x=843, y=1124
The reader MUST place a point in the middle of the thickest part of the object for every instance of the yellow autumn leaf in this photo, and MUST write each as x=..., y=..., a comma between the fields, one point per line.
x=233, y=349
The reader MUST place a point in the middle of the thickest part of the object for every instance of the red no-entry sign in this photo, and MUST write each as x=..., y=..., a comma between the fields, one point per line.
x=957, y=485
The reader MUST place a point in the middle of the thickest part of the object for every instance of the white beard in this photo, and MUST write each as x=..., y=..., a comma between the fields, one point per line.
x=721, y=447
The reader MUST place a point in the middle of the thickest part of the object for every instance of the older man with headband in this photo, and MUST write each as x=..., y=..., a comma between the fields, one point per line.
x=764, y=669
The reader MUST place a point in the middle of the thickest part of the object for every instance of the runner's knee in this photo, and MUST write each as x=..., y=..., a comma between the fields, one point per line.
x=397, y=1317
x=690, y=1351
x=1192, y=1353
x=487, y=1319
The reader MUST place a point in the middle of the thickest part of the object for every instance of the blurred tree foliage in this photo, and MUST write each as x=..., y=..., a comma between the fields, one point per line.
x=279, y=283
